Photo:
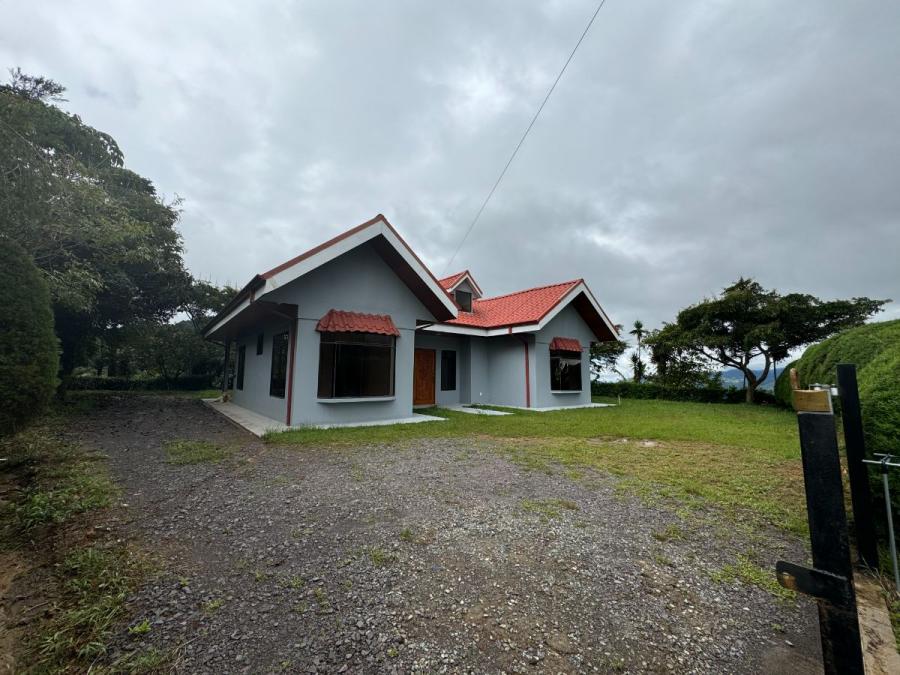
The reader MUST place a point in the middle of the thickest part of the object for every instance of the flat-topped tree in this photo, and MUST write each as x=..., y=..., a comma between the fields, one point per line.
x=747, y=322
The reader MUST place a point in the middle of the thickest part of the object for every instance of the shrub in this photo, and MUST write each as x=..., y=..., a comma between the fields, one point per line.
x=186, y=383
x=875, y=350
x=652, y=390
x=782, y=389
x=29, y=351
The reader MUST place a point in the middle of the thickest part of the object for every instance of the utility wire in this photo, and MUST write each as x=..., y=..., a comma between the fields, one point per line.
x=524, y=136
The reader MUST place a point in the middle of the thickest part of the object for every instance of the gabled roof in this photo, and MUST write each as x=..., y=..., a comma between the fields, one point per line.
x=521, y=307
x=386, y=241
x=450, y=283
x=530, y=310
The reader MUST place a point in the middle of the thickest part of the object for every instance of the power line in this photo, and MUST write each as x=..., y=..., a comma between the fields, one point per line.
x=524, y=136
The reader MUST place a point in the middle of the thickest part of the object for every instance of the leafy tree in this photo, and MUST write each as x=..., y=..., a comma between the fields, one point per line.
x=747, y=322
x=679, y=368
x=104, y=241
x=29, y=353
x=176, y=350
x=605, y=357
x=205, y=300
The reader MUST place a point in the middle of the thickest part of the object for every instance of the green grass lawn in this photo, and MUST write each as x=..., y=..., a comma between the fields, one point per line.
x=742, y=459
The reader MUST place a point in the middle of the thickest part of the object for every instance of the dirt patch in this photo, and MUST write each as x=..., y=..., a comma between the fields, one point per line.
x=422, y=558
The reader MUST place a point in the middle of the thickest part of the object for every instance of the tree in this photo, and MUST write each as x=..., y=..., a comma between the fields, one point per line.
x=747, y=323
x=638, y=367
x=29, y=352
x=679, y=368
x=205, y=300
x=605, y=357
x=102, y=238
x=176, y=350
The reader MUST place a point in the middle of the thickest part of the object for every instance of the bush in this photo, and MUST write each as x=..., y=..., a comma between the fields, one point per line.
x=782, y=389
x=651, y=390
x=29, y=351
x=875, y=350
x=186, y=383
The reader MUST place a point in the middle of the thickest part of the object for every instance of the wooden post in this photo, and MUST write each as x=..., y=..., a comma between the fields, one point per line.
x=860, y=492
x=830, y=580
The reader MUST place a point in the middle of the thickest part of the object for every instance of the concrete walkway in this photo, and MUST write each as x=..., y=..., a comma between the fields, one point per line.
x=253, y=422
x=259, y=425
x=565, y=407
x=476, y=411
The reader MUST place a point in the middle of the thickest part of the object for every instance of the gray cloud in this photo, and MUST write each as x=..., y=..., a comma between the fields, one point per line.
x=688, y=143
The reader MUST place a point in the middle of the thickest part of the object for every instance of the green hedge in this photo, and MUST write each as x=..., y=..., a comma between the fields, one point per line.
x=875, y=350
x=783, y=385
x=29, y=350
x=650, y=390
x=188, y=383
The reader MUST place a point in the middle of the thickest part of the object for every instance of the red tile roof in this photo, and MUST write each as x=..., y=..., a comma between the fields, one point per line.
x=564, y=344
x=336, y=321
x=447, y=282
x=514, y=309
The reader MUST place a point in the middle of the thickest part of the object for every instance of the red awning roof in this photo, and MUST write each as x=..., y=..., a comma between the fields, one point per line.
x=336, y=321
x=564, y=344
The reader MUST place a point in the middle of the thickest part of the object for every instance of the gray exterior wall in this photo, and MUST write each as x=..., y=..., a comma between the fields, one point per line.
x=479, y=375
x=506, y=369
x=568, y=323
x=446, y=342
x=358, y=281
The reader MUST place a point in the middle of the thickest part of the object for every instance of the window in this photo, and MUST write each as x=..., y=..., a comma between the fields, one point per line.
x=448, y=370
x=565, y=370
x=356, y=365
x=464, y=300
x=260, y=339
x=242, y=353
x=279, y=365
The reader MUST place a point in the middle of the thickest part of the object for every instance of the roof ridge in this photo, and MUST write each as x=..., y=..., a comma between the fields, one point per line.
x=454, y=276
x=529, y=290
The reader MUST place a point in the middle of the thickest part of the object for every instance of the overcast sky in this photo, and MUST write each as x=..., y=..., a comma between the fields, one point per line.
x=689, y=143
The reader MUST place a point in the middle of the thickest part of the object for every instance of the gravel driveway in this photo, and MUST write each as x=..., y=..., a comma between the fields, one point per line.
x=435, y=557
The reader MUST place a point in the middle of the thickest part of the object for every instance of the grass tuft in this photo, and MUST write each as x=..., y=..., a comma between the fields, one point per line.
x=96, y=584
x=749, y=572
x=548, y=508
x=196, y=452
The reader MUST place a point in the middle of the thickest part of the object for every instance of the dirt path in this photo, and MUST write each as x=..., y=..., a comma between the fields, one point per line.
x=440, y=557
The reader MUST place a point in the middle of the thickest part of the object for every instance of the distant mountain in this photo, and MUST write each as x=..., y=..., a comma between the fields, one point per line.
x=732, y=377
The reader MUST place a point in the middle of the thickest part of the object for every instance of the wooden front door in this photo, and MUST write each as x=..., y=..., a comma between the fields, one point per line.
x=423, y=377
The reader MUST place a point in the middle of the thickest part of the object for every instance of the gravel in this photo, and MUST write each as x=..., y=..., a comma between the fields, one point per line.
x=438, y=556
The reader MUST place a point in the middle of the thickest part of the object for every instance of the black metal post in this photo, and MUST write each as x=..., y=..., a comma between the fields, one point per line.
x=860, y=491
x=841, y=647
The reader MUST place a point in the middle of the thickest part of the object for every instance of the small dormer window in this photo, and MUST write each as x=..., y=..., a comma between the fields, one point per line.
x=464, y=300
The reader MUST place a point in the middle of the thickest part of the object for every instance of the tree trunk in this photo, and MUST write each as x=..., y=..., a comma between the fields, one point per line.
x=750, y=392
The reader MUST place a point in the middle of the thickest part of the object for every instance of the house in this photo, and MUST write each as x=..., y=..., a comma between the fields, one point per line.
x=359, y=330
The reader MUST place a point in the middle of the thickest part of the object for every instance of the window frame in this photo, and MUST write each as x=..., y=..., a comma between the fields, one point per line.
x=241, y=364
x=331, y=346
x=557, y=385
x=280, y=351
x=464, y=306
x=448, y=373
